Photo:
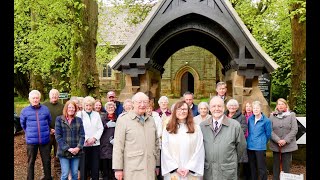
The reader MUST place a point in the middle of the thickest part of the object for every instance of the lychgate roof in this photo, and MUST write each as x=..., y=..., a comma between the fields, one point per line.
x=210, y=24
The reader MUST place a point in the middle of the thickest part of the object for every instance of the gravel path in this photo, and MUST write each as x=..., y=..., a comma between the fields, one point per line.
x=20, y=161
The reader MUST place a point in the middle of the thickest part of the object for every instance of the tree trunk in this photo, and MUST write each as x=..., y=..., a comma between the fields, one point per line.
x=298, y=68
x=36, y=83
x=21, y=84
x=85, y=77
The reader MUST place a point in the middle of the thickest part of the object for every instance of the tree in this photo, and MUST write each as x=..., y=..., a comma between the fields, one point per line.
x=50, y=38
x=22, y=29
x=298, y=69
x=84, y=75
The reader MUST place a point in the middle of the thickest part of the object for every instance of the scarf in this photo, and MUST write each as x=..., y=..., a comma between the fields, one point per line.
x=281, y=114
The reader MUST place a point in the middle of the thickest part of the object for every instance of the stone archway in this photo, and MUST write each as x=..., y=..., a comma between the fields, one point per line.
x=179, y=76
x=212, y=25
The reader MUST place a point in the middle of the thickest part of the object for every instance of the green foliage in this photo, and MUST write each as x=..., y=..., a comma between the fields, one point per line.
x=91, y=82
x=46, y=34
x=104, y=54
x=300, y=12
x=271, y=28
x=300, y=107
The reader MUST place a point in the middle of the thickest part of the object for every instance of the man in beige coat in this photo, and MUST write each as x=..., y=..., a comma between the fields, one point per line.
x=136, y=148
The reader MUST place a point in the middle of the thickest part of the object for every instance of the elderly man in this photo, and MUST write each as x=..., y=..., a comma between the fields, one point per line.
x=224, y=143
x=35, y=120
x=188, y=98
x=111, y=97
x=55, y=108
x=136, y=147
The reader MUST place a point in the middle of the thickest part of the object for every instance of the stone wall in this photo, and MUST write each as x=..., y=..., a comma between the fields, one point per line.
x=238, y=91
x=199, y=62
x=206, y=70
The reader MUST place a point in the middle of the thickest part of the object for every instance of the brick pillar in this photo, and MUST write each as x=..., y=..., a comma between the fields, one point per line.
x=241, y=93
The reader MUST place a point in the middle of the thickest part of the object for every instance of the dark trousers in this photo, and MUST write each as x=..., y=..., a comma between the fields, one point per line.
x=56, y=162
x=244, y=171
x=89, y=163
x=286, y=159
x=32, y=151
x=107, y=172
x=258, y=164
x=160, y=177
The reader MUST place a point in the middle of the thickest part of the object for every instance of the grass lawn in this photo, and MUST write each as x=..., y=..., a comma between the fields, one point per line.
x=19, y=104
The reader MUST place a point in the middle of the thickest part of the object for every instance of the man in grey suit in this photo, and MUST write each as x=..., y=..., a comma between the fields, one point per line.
x=224, y=143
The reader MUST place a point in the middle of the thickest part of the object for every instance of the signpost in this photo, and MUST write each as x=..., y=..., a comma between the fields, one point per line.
x=264, y=85
x=63, y=97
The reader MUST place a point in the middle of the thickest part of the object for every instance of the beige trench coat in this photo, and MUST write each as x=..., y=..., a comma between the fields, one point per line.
x=136, y=147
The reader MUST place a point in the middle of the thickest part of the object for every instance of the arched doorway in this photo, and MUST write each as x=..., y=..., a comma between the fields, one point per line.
x=187, y=83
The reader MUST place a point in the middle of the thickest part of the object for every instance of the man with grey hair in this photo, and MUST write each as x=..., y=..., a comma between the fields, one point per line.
x=224, y=143
x=35, y=120
x=55, y=108
x=136, y=143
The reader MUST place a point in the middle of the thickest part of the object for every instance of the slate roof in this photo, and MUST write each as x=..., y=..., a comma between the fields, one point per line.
x=114, y=29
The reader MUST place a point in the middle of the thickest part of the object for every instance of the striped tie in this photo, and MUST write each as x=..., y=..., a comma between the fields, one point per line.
x=216, y=127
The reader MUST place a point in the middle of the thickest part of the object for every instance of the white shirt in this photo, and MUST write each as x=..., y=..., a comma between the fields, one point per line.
x=256, y=120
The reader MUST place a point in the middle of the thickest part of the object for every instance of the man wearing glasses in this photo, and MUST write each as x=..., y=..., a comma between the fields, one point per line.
x=136, y=143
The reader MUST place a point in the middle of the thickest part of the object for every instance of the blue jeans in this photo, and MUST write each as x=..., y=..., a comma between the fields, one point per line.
x=69, y=164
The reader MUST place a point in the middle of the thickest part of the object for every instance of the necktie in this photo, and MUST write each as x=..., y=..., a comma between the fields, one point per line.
x=141, y=119
x=216, y=127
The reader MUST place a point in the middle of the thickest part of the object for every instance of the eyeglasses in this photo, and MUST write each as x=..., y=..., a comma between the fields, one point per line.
x=182, y=109
x=142, y=102
x=217, y=106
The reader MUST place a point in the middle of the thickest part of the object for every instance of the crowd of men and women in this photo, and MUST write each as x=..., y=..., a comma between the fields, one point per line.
x=132, y=140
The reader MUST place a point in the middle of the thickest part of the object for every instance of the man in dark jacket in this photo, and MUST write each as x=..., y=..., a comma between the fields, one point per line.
x=188, y=98
x=55, y=108
x=35, y=121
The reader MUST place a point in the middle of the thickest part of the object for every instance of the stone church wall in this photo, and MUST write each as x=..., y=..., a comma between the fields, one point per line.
x=202, y=61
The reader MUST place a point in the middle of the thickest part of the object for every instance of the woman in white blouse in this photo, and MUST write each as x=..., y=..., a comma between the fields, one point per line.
x=93, y=129
x=182, y=152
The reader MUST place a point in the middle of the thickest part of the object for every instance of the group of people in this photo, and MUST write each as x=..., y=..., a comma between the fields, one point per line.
x=211, y=140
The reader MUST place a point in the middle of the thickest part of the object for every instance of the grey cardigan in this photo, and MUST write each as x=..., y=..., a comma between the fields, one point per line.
x=286, y=128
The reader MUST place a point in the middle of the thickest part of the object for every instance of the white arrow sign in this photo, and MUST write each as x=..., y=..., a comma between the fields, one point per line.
x=302, y=139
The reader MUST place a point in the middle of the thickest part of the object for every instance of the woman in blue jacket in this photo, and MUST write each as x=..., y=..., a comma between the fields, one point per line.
x=260, y=129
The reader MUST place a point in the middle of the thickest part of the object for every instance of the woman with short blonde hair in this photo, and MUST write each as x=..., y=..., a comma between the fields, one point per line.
x=283, y=138
x=93, y=129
